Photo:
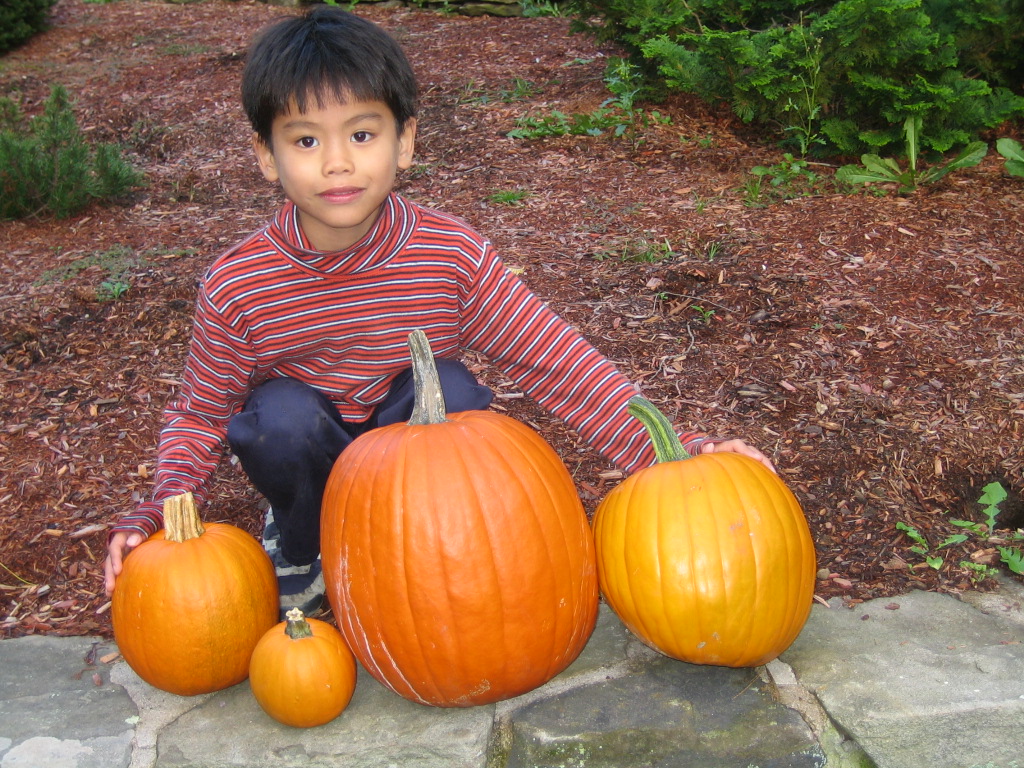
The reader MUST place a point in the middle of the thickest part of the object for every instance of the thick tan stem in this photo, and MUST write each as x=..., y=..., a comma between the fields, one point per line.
x=181, y=518
x=428, y=407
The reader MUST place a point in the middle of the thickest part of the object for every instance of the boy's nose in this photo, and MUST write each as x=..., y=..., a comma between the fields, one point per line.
x=337, y=158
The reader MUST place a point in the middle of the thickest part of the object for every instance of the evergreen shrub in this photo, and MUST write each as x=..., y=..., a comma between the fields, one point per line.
x=48, y=167
x=840, y=76
x=20, y=19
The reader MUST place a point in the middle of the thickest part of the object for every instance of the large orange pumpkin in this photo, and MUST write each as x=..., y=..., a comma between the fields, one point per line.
x=302, y=673
x=192, y=602
x=707, y=559
x=457, y=556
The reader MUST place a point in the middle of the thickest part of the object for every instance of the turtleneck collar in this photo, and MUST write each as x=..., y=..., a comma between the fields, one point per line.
x=390, y=232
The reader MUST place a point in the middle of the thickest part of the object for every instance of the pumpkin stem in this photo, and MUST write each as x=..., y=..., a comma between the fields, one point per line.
x=667, y=446
x=297, y=626
x=181, y=519
x=428, y=407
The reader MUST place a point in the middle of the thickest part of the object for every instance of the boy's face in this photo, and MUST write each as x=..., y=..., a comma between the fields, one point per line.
x=338, y=164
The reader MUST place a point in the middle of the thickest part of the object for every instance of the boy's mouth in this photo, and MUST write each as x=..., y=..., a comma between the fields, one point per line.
x=340, y=194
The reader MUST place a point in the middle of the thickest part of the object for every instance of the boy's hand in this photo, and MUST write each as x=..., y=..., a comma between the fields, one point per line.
x=117, y=550
x=737, y=446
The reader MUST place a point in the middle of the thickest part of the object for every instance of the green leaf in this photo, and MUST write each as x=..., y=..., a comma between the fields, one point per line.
x=970, y=156
x=1014, y=154
x=912, y=532
x=882, y=165
x=1013, y=558
x=853, y=174
x=972, y=526
x=910, y=129
x=1010, y=149
x=992, y=494
x=956, y=538
x=935, y=562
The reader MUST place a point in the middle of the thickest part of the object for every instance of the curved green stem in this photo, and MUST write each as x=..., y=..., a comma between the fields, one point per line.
x=297, y=626
x=428, y=407
x=667, y=446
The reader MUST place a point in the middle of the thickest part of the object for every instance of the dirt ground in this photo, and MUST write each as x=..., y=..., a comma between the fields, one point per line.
x=872, y=345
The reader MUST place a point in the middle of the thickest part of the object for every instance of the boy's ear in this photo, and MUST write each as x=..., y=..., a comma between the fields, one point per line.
x=264, y=158
x=407, y=144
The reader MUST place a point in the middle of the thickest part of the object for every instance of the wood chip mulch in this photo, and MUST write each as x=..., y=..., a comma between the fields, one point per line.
x=873, y=345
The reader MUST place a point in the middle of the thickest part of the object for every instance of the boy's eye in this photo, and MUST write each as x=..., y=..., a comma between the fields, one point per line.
x=361, y=136
x=307, y=142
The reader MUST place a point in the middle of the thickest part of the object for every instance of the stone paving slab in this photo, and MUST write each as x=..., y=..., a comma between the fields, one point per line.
x=922, y=680
x=56, y=710
x=663, y=714
x=378, y=730
x=619, y=696
x=919, y=680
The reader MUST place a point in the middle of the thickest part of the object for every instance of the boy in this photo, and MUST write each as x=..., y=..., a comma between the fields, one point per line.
x=301, y=330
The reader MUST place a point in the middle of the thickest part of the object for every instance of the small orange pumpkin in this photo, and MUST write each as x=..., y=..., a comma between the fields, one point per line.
x=301, y=672
x=457, y=556
x=707, y=559
x=192, y=602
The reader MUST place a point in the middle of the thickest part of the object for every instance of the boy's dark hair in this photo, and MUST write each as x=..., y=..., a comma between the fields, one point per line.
x=323, y=55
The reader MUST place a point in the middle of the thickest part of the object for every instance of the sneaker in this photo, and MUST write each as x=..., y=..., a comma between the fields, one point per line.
x=299, y=586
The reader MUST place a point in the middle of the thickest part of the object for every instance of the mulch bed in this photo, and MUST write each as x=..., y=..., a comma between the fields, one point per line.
x=872, y=345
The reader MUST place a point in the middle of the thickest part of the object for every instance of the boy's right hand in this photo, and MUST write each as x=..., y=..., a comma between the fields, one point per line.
x=117, y=549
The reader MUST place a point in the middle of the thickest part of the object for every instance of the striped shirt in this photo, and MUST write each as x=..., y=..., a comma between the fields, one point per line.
x=272, y=306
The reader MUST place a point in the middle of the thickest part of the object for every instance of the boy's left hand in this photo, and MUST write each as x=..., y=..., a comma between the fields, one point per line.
x=737, y=446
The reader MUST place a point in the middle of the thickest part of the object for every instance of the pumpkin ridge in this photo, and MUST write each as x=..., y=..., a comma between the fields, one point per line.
x=530, y=513
x=752, y=550
x=761, y=524
x=352, y=471
x=498, y=534
x=394, y=469
x=572, y=526
x=797, y=536
x=622, y=587
x=218, y=571
x=454, y=639
x=696, y=522
x=569, y=626
x=499, y=448
x=706, y=527
x=640, y=573
x=730, y=587
x=764, y=597
x=663, y=485
x=772, y=521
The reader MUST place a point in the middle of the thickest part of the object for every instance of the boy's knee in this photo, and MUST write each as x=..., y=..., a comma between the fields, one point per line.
x=462, y=392
x=283, y=414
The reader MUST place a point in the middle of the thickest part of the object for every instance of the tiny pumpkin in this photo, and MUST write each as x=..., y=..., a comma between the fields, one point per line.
x=301, y=672
x=707, y=559
x=457, y=555
x=192, y=602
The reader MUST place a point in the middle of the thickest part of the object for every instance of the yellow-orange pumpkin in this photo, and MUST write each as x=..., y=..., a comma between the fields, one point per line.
x=707, y=559
x=192, y=602
x=457, y=556
x=301, y=672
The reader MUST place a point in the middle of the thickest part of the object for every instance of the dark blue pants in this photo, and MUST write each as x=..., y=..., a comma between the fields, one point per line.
x=288, y=436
